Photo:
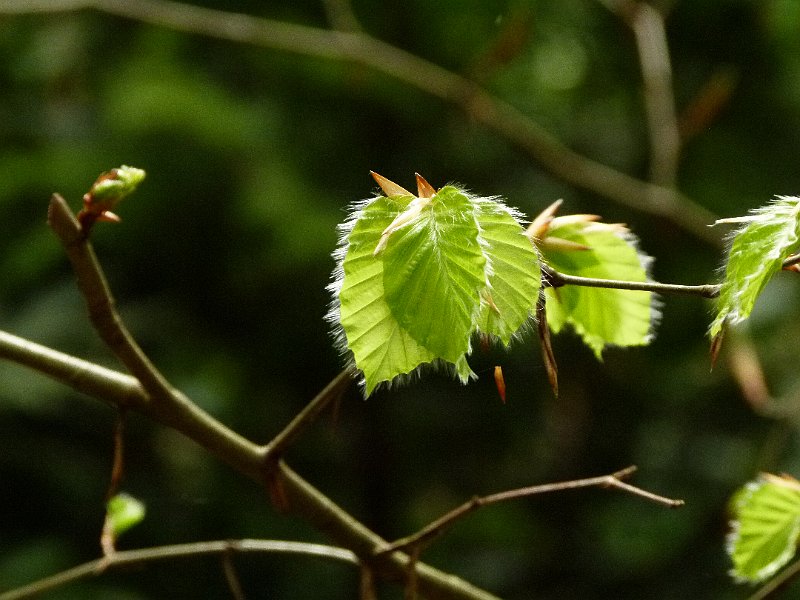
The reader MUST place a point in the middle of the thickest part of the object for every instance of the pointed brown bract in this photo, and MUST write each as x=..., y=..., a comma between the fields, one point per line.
x=539, y=226
x=572, y=219
x=500, y=382
x=547, y=349
x=716, y=345
x=562, y=245
x=424, y=189
x=389, y=187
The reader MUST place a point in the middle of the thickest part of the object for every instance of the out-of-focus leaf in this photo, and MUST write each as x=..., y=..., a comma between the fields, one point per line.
x=765, y=527
x=123, y=512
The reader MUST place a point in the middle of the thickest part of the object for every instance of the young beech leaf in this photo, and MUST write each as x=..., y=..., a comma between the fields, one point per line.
x=433, y=271
x=765, y=527
x=415, y=280
x=577, y=245
x=769, y=235
x=514, y=275
x=381, y=348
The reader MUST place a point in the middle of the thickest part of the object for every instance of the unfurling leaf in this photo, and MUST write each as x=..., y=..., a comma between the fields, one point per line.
x=769, y=235
x=580, y=245
x=765, y=527
x=122, y=512
x=106, y=192
x=416, y=277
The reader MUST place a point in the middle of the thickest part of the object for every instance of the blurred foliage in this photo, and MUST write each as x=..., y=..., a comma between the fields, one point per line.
x=222, y=258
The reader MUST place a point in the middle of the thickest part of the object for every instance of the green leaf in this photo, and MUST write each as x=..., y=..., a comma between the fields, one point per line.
x=600, y=316
x=417, y=277
x=769, y=235
x=515, y=275
x=381, y=348
x=122, y=513
x=433, y=271
x=766, y=527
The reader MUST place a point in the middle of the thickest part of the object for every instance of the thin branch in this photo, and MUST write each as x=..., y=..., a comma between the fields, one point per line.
x=333, y=391
x=99, y=300
x=146, y=556
x=557, y=279
x=443, y=523
x=118, y=466
x=476, y=102
x=231, y=577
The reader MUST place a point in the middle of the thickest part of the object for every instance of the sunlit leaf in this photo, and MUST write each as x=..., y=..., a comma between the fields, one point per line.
x=601, y=316
x=433, y=271
x=417, y=277
x=381, y=348
x=515, y=275
x=769, y=235
x=765, y=527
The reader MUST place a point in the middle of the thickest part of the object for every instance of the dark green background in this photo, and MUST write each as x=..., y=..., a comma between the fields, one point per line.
x=220, y=268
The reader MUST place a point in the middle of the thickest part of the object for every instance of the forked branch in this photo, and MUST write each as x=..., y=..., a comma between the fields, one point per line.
x=146, y=556
x=615, y=480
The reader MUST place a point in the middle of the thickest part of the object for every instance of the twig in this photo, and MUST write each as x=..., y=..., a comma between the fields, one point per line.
x=99, y=301
x=437, y=527
x=118, y=466
x=228, y=568
x=276, y=448
x=333, y=391
x=557, y=279
x=150, y=555
x=476, y=102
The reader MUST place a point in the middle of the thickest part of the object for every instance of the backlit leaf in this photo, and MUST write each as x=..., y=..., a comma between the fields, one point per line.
x=381, y=348
x=433, y=271
x=769, y=235
x=601, y=316
x=765, y=527
x=515, y=274
x=417, y=277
